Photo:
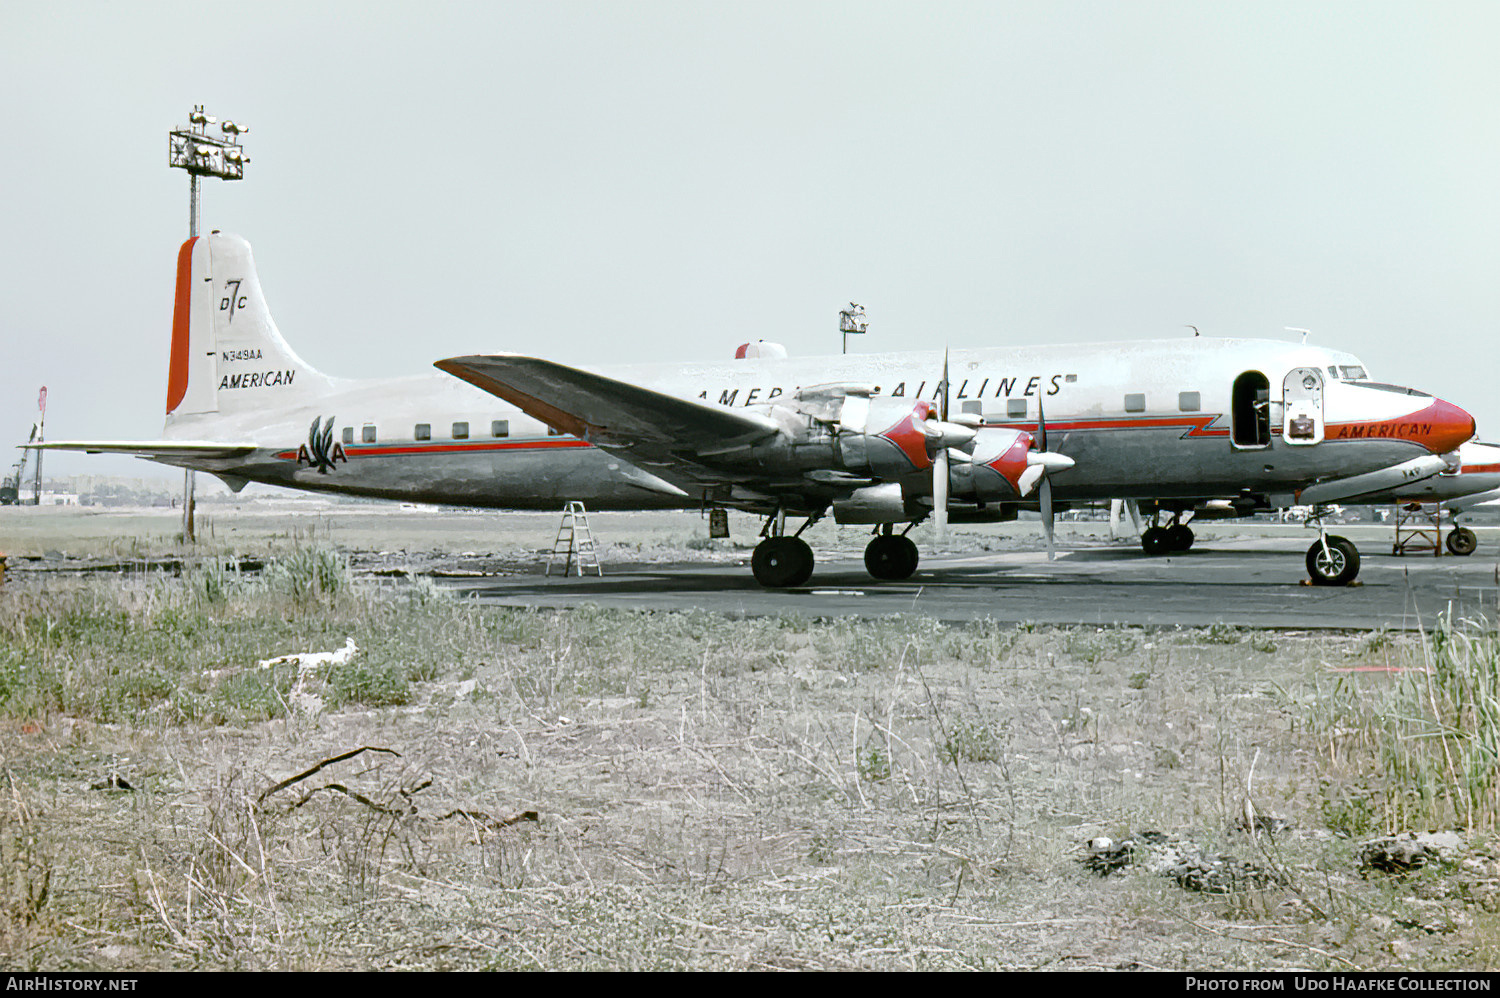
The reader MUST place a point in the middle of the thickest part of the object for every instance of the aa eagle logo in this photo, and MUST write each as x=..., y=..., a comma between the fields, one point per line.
x=320, y=451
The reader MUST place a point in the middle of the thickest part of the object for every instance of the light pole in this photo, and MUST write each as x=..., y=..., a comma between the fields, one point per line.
x=203, y=155
x=852, y=322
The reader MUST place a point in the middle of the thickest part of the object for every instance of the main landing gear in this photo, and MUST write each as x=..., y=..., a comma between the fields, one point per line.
x=1175, y=537
x=890, y=557
x=780, y=561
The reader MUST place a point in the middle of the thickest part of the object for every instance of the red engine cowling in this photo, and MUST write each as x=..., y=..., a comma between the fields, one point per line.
x=892, y=441
x=993, y=472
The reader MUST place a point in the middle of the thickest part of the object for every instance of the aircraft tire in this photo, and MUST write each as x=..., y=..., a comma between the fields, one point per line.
x=1154, y=541
x=1337, y=567
x=1462, y=542
x=782, y=562
x=1179, y=537
x=891, y=558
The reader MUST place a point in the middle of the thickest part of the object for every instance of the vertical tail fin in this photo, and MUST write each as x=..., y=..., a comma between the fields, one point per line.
x=227, y=354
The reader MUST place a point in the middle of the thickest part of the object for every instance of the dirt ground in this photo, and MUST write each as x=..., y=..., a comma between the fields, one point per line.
x=676, y=791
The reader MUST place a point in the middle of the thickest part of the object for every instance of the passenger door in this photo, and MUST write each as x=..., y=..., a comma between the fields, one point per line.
x=1302, y=407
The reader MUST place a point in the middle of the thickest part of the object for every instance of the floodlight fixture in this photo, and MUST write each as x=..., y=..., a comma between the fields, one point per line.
x=203, y=155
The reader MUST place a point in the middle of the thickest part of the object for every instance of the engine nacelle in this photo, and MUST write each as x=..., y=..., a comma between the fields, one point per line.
x=889, y=438
x=882, y=503
x=993, y=471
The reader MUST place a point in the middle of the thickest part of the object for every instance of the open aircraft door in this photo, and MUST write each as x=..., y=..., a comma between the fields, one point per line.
x=1302, y=406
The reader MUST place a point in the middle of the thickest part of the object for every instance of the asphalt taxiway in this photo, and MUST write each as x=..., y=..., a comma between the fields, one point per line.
x=1253, y=583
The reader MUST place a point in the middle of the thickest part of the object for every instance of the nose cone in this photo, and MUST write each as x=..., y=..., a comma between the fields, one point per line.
x=1362, y=412
x=1444, y=426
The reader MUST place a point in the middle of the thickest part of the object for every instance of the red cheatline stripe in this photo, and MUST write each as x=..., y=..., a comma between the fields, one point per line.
x=385, y=450
x=1195, y=426
x=1479, y=469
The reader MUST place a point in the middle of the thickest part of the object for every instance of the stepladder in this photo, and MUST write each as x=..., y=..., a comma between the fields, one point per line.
x=1419, y=528
x=574, y=543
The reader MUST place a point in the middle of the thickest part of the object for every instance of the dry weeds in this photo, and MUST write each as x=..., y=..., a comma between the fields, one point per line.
x=603, y=790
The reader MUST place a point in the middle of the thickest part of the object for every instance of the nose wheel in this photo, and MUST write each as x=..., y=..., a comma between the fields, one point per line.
x=1462, y=541
x=1332, y=561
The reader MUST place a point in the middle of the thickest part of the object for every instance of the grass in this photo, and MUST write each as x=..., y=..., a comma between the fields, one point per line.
x=614, y=790
x=1417, y=744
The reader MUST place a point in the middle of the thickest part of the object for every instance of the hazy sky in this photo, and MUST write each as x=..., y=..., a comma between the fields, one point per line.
x=603, y=182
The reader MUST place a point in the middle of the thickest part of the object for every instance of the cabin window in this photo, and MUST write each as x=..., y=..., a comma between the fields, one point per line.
x=1250, y=409
x=460, y=431
x=1135, y=402
x=1015, y=408
x=1189, y=401
x=367, y=433
x=348, y=434
x=423, y=431
x=500, y=428
x=974, y=407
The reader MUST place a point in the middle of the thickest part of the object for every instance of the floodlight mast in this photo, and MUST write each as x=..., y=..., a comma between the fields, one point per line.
x=203, y=155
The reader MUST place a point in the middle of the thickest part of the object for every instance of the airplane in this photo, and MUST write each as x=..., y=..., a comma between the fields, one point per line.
x=1471, y=479
x=1474, y=480
x=884, y=440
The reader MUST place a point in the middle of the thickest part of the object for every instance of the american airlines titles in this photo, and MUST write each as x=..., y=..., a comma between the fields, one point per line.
x=255, y=379
x=969, y=388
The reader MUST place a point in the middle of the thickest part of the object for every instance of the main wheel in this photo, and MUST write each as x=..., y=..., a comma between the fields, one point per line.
x=891, y=557
x=1179, y=537
x=1461, y=541
x=1154, y=541
x=782, y=562
x=1335, y=567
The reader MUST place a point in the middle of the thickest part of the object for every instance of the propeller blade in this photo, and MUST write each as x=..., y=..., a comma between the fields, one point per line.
x=940, y=495
x=1047, y=517
x=940, y=467
x=1041, y=425
x=943, y=398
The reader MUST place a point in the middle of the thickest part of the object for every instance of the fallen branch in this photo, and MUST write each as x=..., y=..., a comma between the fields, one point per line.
x=326, y=762
x=485, y=819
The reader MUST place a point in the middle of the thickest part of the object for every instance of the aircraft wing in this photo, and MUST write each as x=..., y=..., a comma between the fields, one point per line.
x=646, y=426
x=161, y=449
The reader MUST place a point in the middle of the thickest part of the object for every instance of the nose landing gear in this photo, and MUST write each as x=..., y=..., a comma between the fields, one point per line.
x=1332, y=560
x=1462, y=541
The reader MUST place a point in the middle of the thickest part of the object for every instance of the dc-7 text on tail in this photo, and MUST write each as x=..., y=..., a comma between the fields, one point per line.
x=887, y=440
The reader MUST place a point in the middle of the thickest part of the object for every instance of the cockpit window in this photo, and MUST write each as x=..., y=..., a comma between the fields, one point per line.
x=1398, y=389
x=1352, y=373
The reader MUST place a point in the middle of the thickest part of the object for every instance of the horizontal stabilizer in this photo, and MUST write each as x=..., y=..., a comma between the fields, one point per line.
x=604, y=410
x=149, y=448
